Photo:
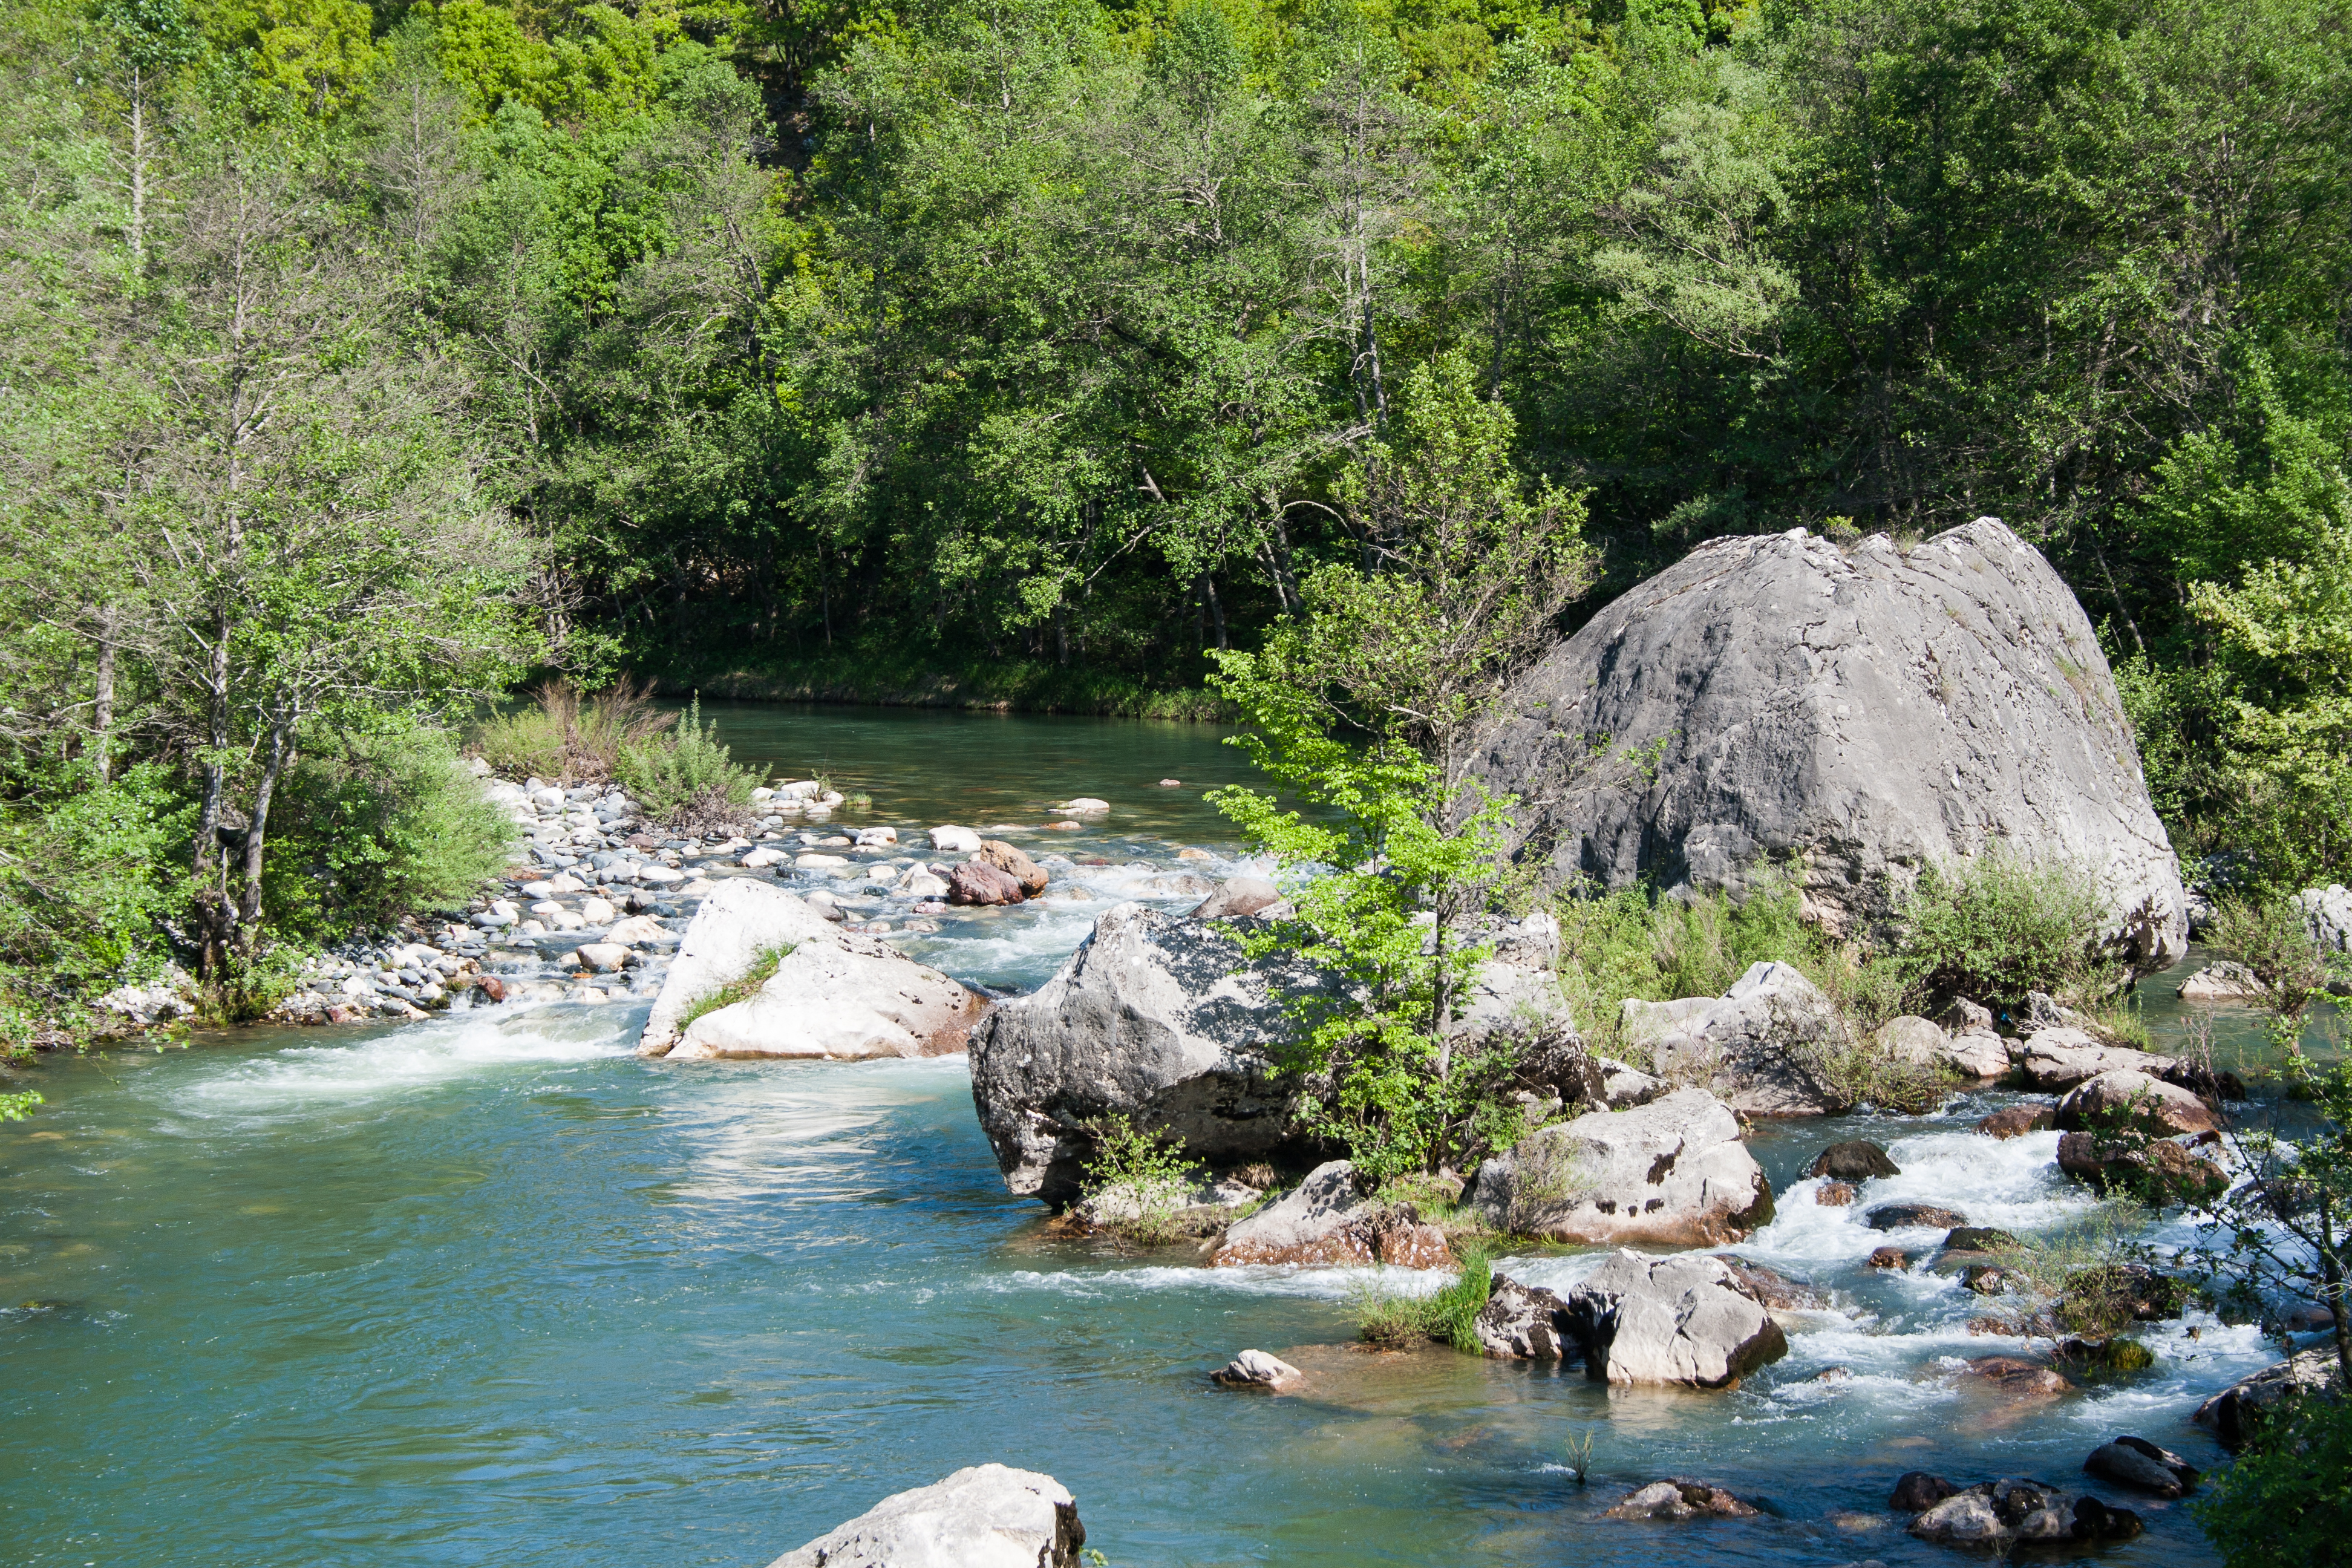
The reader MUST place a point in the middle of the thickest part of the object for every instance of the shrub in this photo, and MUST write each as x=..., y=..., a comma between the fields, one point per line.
x=370, y=826
x=686, y=779
x=1147, y=1177
x=2269, y=936
x=559, y=734
x=1995, y=928
x=2284, y=1502
x=88, y=875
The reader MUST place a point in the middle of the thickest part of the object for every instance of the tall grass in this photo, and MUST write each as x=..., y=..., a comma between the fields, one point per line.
x=1997, y=927
x=1448, y=1316
x=564, y=735
x=686, y=778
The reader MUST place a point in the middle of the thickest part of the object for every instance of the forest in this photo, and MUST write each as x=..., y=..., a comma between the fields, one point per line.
x=360, y=366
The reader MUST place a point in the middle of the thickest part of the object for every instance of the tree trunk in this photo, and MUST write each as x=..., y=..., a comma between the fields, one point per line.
x=103, y=703
x=281, y=731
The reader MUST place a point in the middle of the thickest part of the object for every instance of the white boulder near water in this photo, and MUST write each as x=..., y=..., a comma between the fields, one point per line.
x=1872, y=710
x=834, y=995
x=1673, y=1173
x=1682, y=1320
x=989, y=1516
x=1759, y=1047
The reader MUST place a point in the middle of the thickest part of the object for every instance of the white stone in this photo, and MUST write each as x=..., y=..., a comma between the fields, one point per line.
x=812, y=861
x=761, y=859
x=876, y=837
x=953, y=840
x=985, y=1517
x=597, y=911
x=1085, y=805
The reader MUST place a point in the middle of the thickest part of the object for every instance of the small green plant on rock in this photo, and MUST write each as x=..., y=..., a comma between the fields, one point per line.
x=1137, y=1183
x=764, y=965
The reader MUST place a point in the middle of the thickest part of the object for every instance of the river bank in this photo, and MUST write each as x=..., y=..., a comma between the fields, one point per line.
x=1008, y=686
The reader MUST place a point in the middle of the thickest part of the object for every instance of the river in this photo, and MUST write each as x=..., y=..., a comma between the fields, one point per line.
x=490, y=1290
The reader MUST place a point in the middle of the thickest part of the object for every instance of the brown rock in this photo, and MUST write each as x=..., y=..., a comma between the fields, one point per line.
x=1913, y=1217
x=1413, y=1245
x=2016, y=1120
x=1889, y=1258
x=1015, y=864
x=1856, y=1160
x=1917, y=1492
x=2022, y=1378
x=492, y=987
x=2171, y=1171
x=1773, y=1291
x=1834, y=1194
x=978, y=882
x=2127, y=1098
x=1680, y=1499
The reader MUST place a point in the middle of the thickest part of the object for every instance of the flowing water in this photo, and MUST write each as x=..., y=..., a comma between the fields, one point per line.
x=490, y=1290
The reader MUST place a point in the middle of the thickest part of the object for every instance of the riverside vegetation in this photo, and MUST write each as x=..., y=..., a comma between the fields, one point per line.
x=366, y=364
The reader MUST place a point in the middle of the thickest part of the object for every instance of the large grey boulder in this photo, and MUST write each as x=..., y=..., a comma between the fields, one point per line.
x=833, y=995
x=1524, y=1323
x=2061, y=1058
x=1672, y=1173
x=1759, y=1047
x=989, y=1516
x=1681, y=1320
x=2328, y=915
x=1157, y=1018
x=1871, y=710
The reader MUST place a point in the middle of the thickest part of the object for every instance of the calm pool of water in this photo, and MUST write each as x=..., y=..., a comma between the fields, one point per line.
x=490, y=1290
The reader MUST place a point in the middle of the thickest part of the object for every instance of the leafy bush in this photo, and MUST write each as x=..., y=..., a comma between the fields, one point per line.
x=686, y=778
x=370, y=826
x=1149, y=1175
x=2284, y=1502
x=2269, y=937
x=562, y=735
x=15, y=1107
x=89, y=874
x=1995, y=928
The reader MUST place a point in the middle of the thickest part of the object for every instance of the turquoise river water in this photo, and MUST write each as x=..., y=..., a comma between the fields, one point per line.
x=490, y=1290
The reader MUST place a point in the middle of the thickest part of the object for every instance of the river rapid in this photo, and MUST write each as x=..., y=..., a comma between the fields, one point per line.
x=490, y=1290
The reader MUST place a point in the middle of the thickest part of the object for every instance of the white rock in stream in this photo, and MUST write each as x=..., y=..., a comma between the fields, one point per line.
x=1670, y=1321
x=1672, y=1173
x=989, y=1516
x=835, y=995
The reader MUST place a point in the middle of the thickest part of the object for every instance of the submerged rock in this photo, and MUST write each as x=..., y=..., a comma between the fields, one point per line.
x=2140, y=1464
x=1678, y=1498
x=2016, y=1120
x=1328, y=1220
x=1759, y=1047
x=1870, y=711
x=2013, y=1377
x=2225, y=980
x=1669, y=1174
x=1162, y=1020
x=1913, y=1217
x=1856, y=1160
x=1257, y=1370
x=989, y=1516
x=1682, y=1319
x=1998, y=1515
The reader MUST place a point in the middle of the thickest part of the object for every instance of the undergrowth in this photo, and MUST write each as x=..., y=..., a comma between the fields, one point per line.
x=1138, y=1182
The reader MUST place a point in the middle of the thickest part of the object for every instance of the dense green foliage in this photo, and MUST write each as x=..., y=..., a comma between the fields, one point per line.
x=1995, y=929
x=2284, y=1503
x=381, y=352
x=1447, y=1316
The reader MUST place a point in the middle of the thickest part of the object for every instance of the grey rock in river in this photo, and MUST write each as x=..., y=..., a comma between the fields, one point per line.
x=989, y=1516
x=1670, y=1321
x=1872, y=710
x=1672, y=1173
